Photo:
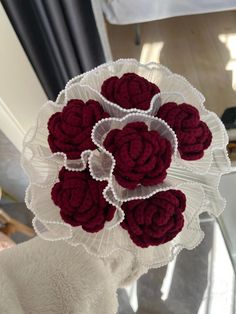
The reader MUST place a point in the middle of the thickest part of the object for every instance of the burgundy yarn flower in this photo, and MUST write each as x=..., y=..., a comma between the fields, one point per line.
x=129, y=91
x=142, y=156
x=193, y=134
x=81, y=200
x=156, y=220
x=70, y=130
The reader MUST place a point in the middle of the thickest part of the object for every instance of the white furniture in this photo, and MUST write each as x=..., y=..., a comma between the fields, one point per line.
x=137, y=11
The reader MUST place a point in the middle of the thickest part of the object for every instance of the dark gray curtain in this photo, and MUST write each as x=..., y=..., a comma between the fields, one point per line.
x=59, y=36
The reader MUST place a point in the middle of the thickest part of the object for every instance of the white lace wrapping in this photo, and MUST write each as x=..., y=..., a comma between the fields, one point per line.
x=199, y=179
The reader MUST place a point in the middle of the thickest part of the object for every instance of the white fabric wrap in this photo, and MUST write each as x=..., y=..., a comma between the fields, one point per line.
x=53, y=277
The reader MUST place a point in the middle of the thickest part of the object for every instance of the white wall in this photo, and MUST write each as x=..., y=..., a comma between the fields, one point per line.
x=21, y=94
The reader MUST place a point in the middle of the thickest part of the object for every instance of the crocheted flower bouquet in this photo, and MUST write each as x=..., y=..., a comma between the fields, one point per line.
x=127, y=157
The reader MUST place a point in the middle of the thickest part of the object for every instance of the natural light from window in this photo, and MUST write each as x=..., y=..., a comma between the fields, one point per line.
x=229, y=40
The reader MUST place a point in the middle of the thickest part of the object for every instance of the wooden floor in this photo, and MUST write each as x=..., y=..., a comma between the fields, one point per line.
x=200, y=47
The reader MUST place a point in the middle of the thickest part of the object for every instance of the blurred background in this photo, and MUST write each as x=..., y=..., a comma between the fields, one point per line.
x=45, y=43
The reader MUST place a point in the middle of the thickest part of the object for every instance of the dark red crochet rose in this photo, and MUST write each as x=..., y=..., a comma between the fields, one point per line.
x=129, y=91
x=156, y=220
x=70, y=130
x=142, y=156
x=81, y=202
x=193, y=134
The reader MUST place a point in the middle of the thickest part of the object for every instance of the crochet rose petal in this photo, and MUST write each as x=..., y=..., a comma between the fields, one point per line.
x=193, y=134
x=69, y=130
x=155, y=220
x=81, y=201
x=156, y=155
x=129, y=91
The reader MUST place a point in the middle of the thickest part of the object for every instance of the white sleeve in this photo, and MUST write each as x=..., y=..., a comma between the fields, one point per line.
x=39, y=276
x=53, y=277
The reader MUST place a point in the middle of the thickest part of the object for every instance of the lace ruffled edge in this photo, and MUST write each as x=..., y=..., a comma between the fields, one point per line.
x=151, y=257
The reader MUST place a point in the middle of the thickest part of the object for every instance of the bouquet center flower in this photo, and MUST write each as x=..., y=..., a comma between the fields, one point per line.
x=142, y=156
